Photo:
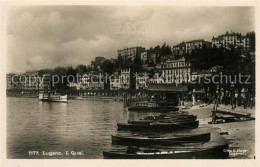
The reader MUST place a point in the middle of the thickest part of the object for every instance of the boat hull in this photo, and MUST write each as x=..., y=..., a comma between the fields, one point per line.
x=170, y=119
x=63, y=99
x=146, y=141
x=158, y=126
x=216, y=152
x=153, y=109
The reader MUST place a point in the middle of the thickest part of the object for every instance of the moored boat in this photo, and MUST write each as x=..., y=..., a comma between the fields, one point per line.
x=169, y=120
x=160, y=126
x=49, y=97
x=144, y=106
x=149, y=140
x=209, y=150
x=169, y=116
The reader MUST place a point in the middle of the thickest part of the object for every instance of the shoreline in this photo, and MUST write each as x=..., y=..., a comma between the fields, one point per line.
x=241, y=134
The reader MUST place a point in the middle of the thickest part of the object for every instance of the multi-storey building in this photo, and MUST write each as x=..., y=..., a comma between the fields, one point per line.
x=186, y=47
x=196, y=44
x=156, y=79
x=12, y=81
x=145, y=56
x=131, y=53
x=29, y=80
x=155, y=58
x=115, y=82
x=90, y=81
x=179, y=49
x=176, y=71
x=46, y=81
x=125, y=78
x=232, y=40
x=142, y=81
x=164, y=58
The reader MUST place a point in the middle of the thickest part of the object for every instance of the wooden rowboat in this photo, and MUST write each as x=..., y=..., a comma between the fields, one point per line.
x=165, y=119
x=158, y=126
x=147, y=141
x=209, y=150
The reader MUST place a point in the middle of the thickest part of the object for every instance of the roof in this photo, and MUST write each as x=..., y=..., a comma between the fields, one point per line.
x=220, y=37
x=198, y=40
x=136, y=47
x=177, y=60
x=182, y=44
x=167, y=88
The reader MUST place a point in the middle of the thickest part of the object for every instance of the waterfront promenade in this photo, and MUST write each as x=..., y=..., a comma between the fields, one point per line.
x=240, y=134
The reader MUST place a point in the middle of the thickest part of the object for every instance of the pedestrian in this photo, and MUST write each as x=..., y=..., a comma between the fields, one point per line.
x=251, y=102
x=235, y=102
x=214, y=111
x=244, y=102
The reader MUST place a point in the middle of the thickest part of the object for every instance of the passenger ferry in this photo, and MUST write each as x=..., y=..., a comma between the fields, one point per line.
x=52, y=97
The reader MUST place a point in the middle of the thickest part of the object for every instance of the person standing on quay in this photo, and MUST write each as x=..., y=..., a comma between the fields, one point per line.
x=235, y=102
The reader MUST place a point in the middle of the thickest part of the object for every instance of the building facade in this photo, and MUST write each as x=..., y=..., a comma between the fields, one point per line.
x=179, y=49
x=232, y=40
x=131, y=54
x=125, y=78
x=145, y=56
x=115, y=82
x=176, y=71
x=196, y=44
x=12, y=81
x=142, y=81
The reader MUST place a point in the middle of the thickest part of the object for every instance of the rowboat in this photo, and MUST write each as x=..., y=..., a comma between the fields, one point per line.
x=147, y=140
x=164, y=119
x=152, y=109
x=160, y=126
x=169, y=116
x=209, y=150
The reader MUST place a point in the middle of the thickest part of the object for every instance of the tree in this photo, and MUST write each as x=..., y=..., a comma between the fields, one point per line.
x=81, y=69
x=107, y=67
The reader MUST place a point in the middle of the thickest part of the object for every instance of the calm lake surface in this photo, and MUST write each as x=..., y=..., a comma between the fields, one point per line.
x=80, y=126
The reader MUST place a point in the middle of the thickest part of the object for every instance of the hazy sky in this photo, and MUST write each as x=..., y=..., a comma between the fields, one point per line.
x=50, y=36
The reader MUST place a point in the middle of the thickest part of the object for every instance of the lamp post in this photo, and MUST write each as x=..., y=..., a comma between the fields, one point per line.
x=232, y=94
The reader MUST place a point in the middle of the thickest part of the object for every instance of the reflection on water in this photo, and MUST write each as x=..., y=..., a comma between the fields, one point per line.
x=80, y=125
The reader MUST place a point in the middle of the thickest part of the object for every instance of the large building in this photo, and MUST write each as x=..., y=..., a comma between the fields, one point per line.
x=196, y=44
x=126, y=79
x=176, y=71
x=92, y=81
x=164, y=58
x=142, y=81
x=155, y=58
x=156, y=79
x=12, y=81
x=115, y=82
x=29, y=80
x=46, y=82
x=186, y=47
x=179, y=49
x=233, y=40
x=145, y=56
x=131, y=54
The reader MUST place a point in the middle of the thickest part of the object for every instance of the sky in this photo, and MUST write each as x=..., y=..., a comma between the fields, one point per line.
x=49, y=36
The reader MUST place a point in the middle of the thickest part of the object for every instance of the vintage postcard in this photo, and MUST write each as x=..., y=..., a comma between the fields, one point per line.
x=89, y=81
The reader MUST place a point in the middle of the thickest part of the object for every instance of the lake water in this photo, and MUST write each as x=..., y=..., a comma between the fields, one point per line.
x=83, y=128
